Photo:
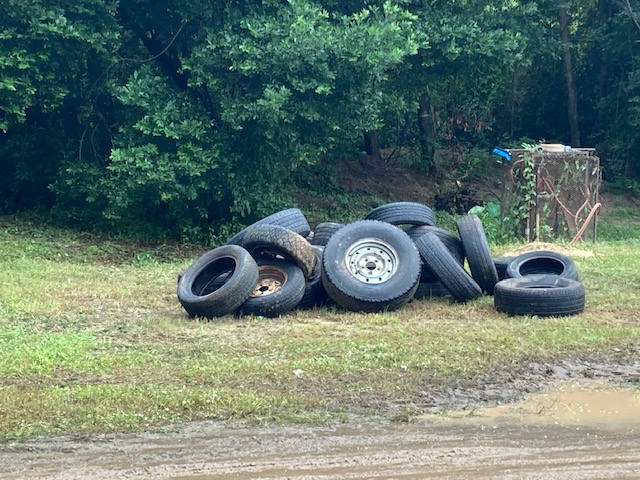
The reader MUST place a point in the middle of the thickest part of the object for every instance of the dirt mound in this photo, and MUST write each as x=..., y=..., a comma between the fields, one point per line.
x=386, y=181
x=553, y=247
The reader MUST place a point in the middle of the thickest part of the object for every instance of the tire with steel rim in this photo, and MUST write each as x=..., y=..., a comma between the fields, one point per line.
x=370, y=266
x=539, y=294
x=279, y=288
x=203, y=290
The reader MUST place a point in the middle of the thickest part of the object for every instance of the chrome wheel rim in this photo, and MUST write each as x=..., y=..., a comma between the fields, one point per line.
x=371, y=261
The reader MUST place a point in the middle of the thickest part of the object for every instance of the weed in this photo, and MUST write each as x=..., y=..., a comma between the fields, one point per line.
x=406, y=414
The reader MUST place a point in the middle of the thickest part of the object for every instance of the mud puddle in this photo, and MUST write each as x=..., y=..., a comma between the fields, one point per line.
x=570, y=403
x=577, y=430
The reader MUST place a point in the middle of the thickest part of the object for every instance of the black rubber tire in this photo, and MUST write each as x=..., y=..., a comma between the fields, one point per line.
x=543, y=295
x=543, y=262
x=403, y=213
x=452, y=275
x=277, y=240
x=315, y=294
x=453, y=244
x=279, y=288
x=427, y=290
x=324, y=231
x=501, y=264
x=291, y=218
x=370, y=266
x=215, y=283
x=476, y=249
x=201, y=291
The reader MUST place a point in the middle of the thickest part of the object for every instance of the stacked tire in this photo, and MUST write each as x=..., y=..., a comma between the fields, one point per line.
x=396, y=253
x=542, y=283
x=266, y=269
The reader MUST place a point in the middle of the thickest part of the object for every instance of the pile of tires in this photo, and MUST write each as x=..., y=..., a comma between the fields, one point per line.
x=394, y=254
x=267, y=269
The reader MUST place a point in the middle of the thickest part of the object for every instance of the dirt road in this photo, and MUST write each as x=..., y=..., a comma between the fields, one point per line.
x=575, y=431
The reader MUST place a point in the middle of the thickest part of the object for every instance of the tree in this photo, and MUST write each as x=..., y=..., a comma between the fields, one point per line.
x=236, y=99
x=192, y=116
x=459, y=82
x=572, y=102
x=614, y=47
x=48, y=51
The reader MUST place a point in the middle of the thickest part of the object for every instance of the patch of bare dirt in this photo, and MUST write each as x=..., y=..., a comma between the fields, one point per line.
x=393, y=183
x=387, y=181
x=448, y=190
x=553, y=247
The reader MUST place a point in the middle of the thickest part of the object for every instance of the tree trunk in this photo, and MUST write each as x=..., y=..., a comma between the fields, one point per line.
x=372, y=145
x=605, y=14
x=427, y=128
x=572, y=101
x=169, y=64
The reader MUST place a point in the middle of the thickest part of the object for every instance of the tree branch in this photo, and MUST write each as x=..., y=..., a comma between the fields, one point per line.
x=169, y=64
x=632, y=14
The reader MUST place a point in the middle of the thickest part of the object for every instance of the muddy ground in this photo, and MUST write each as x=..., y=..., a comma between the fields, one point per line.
x=583, y=423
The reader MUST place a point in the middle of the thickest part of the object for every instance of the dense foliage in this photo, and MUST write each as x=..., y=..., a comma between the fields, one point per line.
x=191, y=117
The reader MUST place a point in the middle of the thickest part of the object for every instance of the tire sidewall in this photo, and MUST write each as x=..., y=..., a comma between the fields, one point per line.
x=534, y=263
x=540, y=294
x=229, y=294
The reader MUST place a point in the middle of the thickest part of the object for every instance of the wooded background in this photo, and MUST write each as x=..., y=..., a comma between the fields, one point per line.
x=191, y=115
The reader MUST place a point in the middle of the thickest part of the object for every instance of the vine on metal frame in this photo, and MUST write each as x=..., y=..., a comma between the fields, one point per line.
x=532, y=182
x=523, y=176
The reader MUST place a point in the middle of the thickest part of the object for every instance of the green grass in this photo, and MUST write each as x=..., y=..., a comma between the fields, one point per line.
x=93, y=339
x=621, y=224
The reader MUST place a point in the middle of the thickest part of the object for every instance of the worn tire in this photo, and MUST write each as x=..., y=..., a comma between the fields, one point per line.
x=477, y=251
x=542, y=262
x=279, y=288
x=452, y=275
x=314, y=292
x=370, y=266
x=291, y=218
x=453, y=244
x=539, y=294
x=324, y=231
x=428, y=290
x=215, y=284
x=403, y=213
x=203, y=293
x=501, y=264
x=277, y=240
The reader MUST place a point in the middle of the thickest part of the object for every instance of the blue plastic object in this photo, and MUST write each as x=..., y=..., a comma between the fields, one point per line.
x=503, y=153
